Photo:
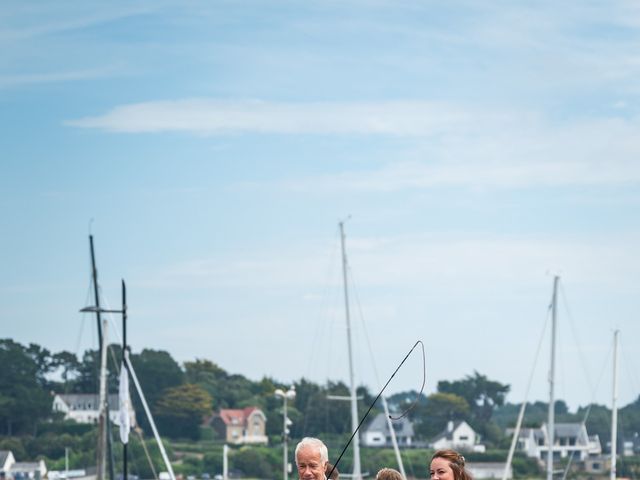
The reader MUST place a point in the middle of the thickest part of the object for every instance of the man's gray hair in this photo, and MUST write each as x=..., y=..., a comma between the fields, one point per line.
x=314, y=443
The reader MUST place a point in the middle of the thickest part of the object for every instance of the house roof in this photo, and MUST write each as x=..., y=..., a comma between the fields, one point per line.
x=403, y=427
x=232, y=416
x=568, y=429
x=4, y=454
x=78, y=401
x=572, y=430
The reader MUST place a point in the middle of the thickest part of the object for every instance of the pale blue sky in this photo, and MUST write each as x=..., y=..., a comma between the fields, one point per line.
x=478, y=147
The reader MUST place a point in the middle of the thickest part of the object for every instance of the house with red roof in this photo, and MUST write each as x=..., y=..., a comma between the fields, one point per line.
x=240, y=426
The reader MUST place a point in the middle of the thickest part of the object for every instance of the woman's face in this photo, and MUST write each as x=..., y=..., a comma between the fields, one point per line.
x=441, y=469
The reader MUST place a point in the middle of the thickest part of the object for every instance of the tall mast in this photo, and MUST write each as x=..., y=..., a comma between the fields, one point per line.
x=101, y=451
x=125, y=473
x=96, y=294
x=103, y=412
x=614, y=408
x=357, y=473
x=551, y=422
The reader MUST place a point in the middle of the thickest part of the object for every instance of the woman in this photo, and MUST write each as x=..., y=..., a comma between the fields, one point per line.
x=448, y=465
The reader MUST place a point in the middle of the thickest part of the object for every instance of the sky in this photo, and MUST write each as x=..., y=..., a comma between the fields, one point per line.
x=474, y=151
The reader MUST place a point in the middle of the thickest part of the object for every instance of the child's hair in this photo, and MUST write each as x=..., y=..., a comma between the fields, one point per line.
x=456, y=462
x=388, y=474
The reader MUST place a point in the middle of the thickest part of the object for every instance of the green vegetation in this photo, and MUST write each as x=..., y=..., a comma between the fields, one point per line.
x=181, y=396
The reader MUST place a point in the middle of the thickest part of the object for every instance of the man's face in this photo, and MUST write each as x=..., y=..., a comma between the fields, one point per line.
x=310, y=466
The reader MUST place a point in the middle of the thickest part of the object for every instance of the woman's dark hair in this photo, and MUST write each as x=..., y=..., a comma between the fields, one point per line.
x=456, y=462
x=334, y=473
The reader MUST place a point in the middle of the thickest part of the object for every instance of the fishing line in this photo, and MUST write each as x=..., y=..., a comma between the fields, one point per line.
x=424, y=379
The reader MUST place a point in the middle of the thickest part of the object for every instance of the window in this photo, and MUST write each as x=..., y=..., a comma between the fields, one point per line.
x=464, y=438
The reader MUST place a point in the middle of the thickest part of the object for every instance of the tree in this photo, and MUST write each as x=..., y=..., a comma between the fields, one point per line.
x=482, y=394
x=24, y=401
x=181, y=409
x=68, y=363
x=322, y=415
x=256, y=462
x=204, y=372
x=399, y=402
x=88, y=372
x=156, y=370
x=432, y=416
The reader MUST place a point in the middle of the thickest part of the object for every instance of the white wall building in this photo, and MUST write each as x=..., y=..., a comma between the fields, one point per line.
x=10, y=469
x=28, y=470
x=568, y=437
x=6, y=461
x=83, y=408
x=457, y=436
x=481, y=470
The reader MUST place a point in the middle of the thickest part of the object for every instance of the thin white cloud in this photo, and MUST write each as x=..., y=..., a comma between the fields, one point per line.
x=53, y=77
x=456, y=146
x=203, y=116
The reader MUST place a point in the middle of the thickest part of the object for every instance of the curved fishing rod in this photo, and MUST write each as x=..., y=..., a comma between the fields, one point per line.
x=424, y=380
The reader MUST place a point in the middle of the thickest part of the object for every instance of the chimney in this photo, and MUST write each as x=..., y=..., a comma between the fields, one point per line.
x=450, y=426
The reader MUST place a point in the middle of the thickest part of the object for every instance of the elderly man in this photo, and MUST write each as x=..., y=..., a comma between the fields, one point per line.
x=312, y=457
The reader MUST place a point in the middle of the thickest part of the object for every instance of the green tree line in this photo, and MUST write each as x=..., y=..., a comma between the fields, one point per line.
x=182, y=396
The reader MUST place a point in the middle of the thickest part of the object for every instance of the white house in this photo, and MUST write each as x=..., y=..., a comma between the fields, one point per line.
x=83, y=408
x=377, y=434
x=457, y=436
x=10, y=469
x=6, y=461
x=488, y=470
x=568, y=438
x=28, y=470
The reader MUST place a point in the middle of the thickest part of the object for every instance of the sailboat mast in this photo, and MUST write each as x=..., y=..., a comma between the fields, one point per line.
x=101, y=453
x=125, y=466
x=614, y=408
x=96, y=294
x=357, y=473
x=104, y=427
x=103, y=412
x=552, y=372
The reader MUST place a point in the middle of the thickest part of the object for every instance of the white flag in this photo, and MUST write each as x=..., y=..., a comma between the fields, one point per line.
x=125, y=405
